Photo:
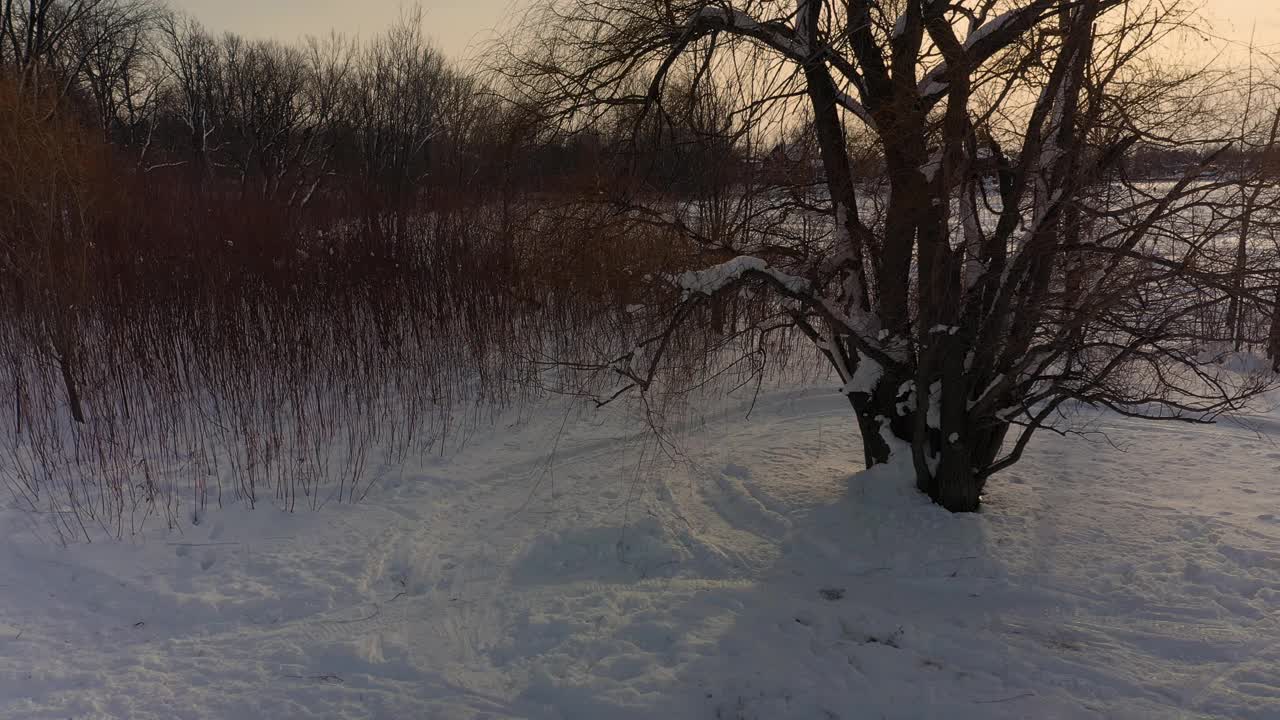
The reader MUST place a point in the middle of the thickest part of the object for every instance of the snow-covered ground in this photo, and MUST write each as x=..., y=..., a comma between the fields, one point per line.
x=567, y=566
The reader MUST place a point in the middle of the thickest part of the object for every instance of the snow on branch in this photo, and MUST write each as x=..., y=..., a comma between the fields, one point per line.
x=935, y=83
x=718, y=277
x=795, y=45
x=736, y=21
x=865, y=377
x=859, y=329
x=859, y=110
x=989, y=27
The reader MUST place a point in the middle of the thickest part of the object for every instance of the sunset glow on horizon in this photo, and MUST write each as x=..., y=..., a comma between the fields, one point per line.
x=460, y=28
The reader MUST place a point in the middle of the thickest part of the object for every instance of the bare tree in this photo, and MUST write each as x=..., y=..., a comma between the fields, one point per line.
x=1004, y=269
x=194, y=69
x=328, y=67
x=118, y=67
x=401, y=94
x=1255, y=193
x=263, y=104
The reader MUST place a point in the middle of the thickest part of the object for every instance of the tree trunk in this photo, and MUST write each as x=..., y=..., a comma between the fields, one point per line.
x=875, y=450
x=956, y=486
x=68, y=379
x=957, y=482
x=17, y=396
x=1235, y=308
x=956, y=458
x=1273, y=344
x=872, y=410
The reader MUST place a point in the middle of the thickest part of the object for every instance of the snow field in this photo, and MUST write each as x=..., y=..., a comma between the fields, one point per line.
x=567, y=566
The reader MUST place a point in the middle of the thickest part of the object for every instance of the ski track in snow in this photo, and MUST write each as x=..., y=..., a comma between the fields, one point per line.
x=744, y=572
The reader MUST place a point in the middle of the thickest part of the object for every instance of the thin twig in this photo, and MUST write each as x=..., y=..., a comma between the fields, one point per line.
x=325, y=678
x=1007, y=699
x=374, y=614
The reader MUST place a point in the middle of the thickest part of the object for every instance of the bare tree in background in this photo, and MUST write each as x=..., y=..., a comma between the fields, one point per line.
x=1006, y=267
x=115, y=56
x=194, y=73
x=50, y=44
x=403, y=97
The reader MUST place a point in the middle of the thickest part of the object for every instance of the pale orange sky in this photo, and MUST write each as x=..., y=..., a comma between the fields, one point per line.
x=458, y=27
x=455, y=27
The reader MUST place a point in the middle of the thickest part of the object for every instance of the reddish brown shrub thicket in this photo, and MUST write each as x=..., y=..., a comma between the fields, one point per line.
x=170, y=341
